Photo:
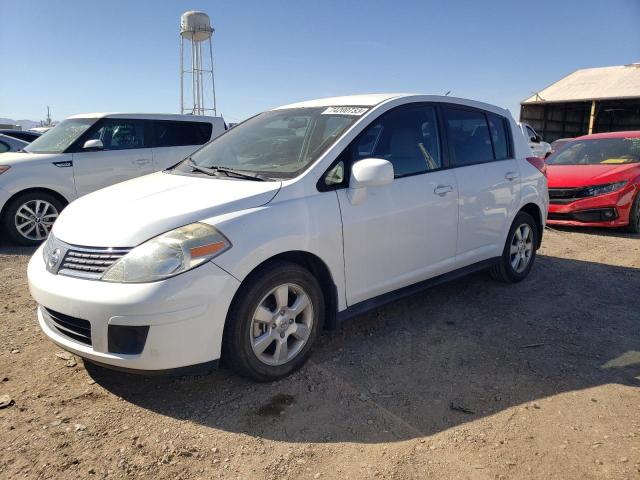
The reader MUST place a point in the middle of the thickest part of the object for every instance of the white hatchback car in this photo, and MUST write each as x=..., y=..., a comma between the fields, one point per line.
x=291, y=221
x=85, y=153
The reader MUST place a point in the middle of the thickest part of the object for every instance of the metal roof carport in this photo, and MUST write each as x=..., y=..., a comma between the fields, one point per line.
x=591, y=100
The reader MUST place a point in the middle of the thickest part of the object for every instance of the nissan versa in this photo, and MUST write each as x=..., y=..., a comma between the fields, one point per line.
x=290, y=222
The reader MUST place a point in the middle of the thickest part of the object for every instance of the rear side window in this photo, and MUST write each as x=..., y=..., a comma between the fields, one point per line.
x=175, y=134
x=469, y=136
x=498, y=129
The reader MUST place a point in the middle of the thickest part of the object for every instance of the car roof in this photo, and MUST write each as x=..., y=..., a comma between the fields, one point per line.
x=15, y=141
x=629, y=134
x=366, y=100
x=373, y=99
x=9, y=131
x=150, y=116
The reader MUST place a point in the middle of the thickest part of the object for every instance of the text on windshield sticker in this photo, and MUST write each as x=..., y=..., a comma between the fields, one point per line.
x=345, y=111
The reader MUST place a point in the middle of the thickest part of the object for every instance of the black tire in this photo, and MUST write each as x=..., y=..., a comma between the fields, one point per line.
x=237, y=351
x=634, y=216
x=504, y=271
x=9, y=215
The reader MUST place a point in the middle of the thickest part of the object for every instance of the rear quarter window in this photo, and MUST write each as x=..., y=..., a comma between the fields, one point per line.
x=499, y=136
x=175, y=134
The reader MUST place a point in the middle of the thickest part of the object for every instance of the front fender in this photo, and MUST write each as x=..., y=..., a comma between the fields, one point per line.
x=57, y=179
x=309, y=224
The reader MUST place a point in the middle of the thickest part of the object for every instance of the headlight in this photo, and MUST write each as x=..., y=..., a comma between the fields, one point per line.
x=169, y=254
x=603, y=189
x=48, y=248
x=4, y=168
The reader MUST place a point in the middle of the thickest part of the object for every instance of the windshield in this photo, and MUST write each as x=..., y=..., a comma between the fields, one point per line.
x=60, y=137
x=278, y=143
x=597, y=151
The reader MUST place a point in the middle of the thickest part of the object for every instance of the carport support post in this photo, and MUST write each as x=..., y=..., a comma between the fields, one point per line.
x=592, y=117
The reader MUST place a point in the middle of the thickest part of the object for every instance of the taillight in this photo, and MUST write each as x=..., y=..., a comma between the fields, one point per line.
x=539, y=164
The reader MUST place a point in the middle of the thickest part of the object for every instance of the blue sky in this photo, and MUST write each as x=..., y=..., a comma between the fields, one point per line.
x=118, y=55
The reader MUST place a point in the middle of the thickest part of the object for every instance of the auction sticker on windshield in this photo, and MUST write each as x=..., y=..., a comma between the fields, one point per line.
x=345, y=111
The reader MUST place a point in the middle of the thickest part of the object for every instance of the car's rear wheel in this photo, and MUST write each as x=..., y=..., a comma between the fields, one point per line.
x=273, y=322
x=634, y=216
x=28, y=218
x=519, y=251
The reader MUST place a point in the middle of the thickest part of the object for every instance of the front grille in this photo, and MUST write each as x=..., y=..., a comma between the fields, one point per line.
x=567, y=195
x=89, y=263
x=74, y=328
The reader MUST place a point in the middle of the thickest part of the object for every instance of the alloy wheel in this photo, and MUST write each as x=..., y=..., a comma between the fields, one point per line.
x=281, y=324
x=521, y=248
x=34, y=219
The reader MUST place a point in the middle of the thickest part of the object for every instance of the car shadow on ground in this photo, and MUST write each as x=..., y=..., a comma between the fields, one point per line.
x=449, y=355
x=7, y=248
x=599, y=232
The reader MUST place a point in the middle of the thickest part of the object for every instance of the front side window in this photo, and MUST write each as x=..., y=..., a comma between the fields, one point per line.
x=605, y=151
x=60, y=137
x=531, y=133
x=278, y=143
x=406, y=137
x=3, y=147
x=117, y=134
x=469, y=136
x=175, y=134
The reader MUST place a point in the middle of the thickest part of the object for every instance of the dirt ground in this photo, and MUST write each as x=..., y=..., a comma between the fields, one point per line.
x=473, y=379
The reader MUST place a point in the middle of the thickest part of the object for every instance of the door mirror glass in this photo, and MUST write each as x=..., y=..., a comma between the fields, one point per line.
x=93, y=145
x=371, y=172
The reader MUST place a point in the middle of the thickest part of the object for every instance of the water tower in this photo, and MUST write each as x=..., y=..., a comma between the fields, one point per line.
x=196, y=32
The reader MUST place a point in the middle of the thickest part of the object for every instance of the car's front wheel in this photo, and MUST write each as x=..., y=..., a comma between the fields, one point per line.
x=28, y=218
x=519, y=251
x=634, y=216
x=273, y=322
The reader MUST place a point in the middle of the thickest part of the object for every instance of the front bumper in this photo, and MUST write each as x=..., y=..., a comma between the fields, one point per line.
x=610, y=210
x=4, y=197
x=185, y=315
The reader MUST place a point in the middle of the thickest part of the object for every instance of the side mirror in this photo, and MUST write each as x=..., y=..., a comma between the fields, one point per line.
x=370, y=172
x=536, y=138
x=93, y=145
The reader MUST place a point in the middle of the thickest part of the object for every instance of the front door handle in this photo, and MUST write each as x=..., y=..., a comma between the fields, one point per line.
x=142, y=161
x=442, y=190
x=511, y=176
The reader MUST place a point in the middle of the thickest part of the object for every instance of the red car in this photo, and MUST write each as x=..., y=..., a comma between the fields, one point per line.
x=594, y=181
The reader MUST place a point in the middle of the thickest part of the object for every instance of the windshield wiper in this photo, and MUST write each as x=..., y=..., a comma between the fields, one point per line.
x=238, y=173
x=214, y=170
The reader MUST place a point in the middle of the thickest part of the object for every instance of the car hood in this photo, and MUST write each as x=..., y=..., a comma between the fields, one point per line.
x=586, y=175
x=128, y=213
x=16, y=158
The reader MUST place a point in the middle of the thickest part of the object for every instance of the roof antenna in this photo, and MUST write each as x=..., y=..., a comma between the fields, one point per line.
x=447, y=94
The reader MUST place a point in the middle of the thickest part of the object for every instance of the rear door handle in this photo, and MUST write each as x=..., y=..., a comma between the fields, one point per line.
x=511, y=176
x=442, y=190
x=142, y=161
